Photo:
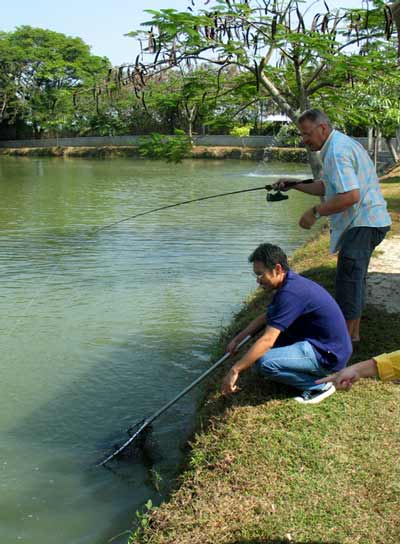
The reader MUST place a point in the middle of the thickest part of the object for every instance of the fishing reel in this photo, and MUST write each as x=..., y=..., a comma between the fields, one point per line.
x=276, y=197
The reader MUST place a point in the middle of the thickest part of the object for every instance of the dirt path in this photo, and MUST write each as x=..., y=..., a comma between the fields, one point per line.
x=383, y=282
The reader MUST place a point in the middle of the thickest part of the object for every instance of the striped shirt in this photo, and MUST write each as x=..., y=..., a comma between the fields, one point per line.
x=346, y=166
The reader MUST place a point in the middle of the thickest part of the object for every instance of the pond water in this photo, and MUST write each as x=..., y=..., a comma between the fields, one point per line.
x=99, y=331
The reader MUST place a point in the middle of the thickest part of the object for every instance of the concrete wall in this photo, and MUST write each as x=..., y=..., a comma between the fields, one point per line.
x=210, y=140
x=89, y=141
x=226, y=141
x=95, y=141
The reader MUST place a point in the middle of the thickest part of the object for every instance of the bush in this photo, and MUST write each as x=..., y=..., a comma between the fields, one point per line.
x=241, y=132
x=287, y=136
x=170, y=148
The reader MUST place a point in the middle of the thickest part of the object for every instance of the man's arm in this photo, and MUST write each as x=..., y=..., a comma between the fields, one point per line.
x=263, y=344
x=257, y=324
x=351, y=374
x=317, y=188
x=336, y=204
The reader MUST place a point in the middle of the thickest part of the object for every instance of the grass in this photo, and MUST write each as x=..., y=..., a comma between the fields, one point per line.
x=263, y=469
x=391, y=192
x=99, y=152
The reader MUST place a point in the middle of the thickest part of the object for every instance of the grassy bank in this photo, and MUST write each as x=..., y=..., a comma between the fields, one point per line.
x=100, y=152
x=264, y=469
x=198, y=152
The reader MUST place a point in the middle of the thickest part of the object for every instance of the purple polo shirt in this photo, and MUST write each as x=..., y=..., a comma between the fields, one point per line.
x=303, y=310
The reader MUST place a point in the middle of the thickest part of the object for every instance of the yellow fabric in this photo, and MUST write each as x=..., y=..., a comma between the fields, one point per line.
x=388, y=365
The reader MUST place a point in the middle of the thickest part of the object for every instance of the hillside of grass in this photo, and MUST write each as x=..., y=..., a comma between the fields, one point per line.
x=265, y=469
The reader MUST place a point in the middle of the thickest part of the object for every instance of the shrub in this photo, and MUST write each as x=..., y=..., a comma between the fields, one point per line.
x=241, y=132
x=170, y=148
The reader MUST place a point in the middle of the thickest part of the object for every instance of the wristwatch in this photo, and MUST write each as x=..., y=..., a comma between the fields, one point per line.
x=316, y=213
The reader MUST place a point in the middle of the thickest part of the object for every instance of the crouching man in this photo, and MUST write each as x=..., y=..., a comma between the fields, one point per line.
x=305, y=336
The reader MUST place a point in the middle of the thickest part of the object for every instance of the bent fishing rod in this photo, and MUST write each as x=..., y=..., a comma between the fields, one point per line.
x=136, y=430
x=276, y=196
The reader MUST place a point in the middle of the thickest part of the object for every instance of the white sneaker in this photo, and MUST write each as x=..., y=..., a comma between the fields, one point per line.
x=316, y=396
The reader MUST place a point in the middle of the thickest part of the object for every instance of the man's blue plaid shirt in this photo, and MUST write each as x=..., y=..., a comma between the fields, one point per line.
x=347, y=166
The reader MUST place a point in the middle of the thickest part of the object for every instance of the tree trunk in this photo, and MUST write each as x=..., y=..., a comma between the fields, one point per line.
x=377, y=146
x=392, y=149
x=3, y=109
x=371, y=141
x=395, y=9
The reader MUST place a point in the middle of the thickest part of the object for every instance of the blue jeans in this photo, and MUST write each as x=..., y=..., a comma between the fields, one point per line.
x=296, y=365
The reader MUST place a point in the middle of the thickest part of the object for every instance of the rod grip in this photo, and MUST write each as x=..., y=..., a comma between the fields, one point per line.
x=289, y=184
x=294, y=183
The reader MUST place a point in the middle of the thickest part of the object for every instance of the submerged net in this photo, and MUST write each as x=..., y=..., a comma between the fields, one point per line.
x=126, y=449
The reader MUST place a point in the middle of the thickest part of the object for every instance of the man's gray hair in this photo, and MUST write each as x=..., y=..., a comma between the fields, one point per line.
x=315, y=116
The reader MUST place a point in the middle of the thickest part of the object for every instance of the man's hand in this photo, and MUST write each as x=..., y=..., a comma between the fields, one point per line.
x=307, y=220
x=232, y=347
x=343, y=379
x=284, y=184
x=229, y=382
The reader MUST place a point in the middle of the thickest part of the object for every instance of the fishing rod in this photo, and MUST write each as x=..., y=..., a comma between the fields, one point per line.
x=137, y=430
x=271, y=197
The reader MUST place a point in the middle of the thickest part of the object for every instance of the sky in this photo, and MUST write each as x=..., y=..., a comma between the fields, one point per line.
x=101, y=23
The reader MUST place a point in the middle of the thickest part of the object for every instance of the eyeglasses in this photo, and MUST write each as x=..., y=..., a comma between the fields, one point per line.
x=307, y=134
x=260, y=274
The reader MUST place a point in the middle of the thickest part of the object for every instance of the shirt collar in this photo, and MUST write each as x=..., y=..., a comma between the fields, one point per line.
x=324, y=148
x=287, y=275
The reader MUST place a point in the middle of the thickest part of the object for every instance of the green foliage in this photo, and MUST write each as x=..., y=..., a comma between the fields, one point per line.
x=181, y=99
x=292, y=154
x=142, y=522
x=225, y=69
x=278, y=50
x=241, y=131
x=41, y=71
x=287, y=136
x=371, y=100
x=169, y=148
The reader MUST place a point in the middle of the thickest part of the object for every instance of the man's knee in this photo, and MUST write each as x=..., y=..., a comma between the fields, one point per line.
x=267, y=367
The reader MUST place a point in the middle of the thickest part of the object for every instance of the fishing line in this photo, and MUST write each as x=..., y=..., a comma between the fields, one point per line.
x=37, y=293
x=271, y=197
x=137, y=431
x=275, y=196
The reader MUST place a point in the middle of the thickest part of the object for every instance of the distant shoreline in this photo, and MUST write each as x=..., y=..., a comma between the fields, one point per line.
x=286, y=154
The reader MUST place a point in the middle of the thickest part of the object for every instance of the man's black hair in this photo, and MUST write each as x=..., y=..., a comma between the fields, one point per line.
x=270, y=255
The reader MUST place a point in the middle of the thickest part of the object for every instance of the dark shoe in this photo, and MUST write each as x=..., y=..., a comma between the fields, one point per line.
x=316, y=396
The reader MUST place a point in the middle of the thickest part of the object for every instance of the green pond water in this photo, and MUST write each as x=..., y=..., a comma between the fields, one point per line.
x=99, y=331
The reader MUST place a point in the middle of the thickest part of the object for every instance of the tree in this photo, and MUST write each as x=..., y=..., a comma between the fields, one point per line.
x=11, y=64
x=393, y=16
x=376, y=104
x=42, y=71
x=184, y=99
x=287, y=54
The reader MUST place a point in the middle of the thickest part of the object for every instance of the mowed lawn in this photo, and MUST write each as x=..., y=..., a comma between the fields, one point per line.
x=264, y=469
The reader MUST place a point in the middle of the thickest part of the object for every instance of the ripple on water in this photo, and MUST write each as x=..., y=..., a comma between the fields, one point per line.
x=98, y=331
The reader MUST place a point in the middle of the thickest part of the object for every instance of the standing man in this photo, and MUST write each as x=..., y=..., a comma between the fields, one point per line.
x=354, y=203
x=305, y=334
